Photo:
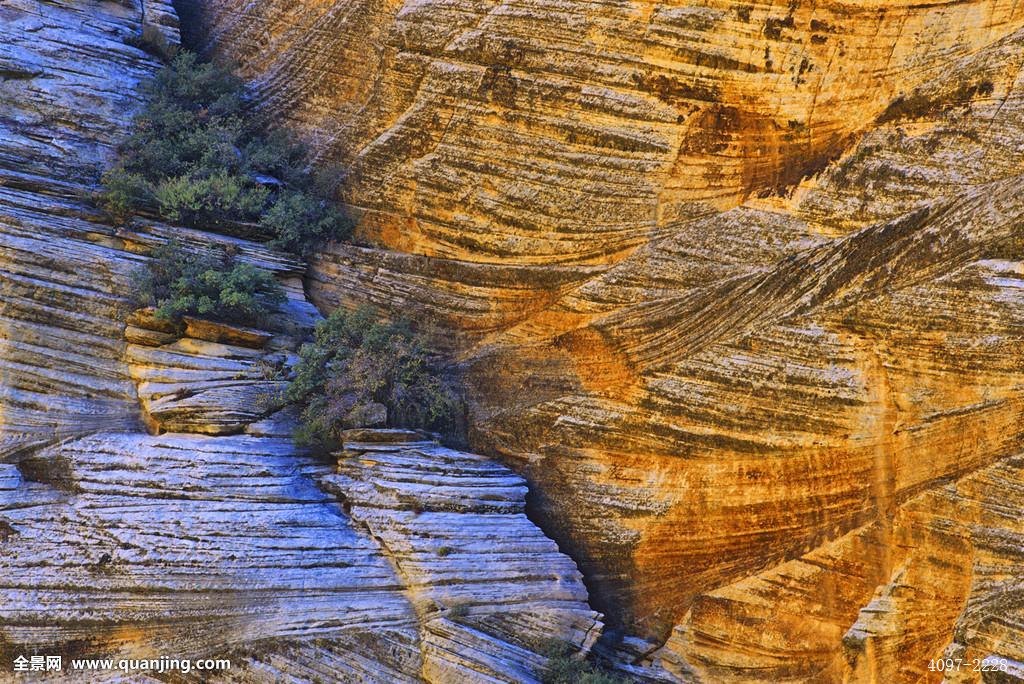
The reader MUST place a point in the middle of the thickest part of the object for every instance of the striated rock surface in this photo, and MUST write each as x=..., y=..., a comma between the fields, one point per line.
x=482, y=577
x=66, y=281
x=572, y=131
x=187, y=383
x=736, y=286
x=135, y=547
x=69, y=76
x=152, y=502
x=61, y=340
x=878, y=603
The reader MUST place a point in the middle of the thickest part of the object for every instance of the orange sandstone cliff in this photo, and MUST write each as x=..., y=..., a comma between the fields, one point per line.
x=737, y=286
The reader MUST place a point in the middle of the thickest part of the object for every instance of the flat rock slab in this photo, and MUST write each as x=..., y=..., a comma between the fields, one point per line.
x=488, y=586
x=212, y=331
x=137, y=546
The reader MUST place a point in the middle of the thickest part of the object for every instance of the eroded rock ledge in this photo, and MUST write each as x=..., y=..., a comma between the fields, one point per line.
x=132, y=546
x=482, y=577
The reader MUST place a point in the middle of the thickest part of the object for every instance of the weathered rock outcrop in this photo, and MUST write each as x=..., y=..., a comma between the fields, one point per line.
x=571, y=131
x=152, y=502
x=483, y=579
x=736, y=286
x=132, y=546
x=878, y=603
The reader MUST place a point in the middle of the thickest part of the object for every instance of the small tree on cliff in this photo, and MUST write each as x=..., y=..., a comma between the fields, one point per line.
x=216, y=286
x=357, y=362
x=564, y=666
x=192, y=157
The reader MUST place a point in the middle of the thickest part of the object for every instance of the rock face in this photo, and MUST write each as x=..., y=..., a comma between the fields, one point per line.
x=68, y=84
x=570, y=132
x=482, y=577
x=66, y=101
x=736, y=286
x=152, y=502
x=135, y=546
x=877, y=604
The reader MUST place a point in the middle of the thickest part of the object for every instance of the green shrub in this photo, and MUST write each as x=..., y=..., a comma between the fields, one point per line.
x=215, y=199
x=300, y=222
x=356, y=361
x=191, y=158
x=191, y=283
x=564, y=667
x=124, y=192
x=191, y=121
x=277, y=154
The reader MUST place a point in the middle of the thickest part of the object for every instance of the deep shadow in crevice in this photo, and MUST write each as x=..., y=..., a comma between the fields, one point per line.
x=190, y=17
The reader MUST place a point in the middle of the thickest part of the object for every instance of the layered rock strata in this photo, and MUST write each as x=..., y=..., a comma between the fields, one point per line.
x=197, y=381
x=481, y=576
x=733, y=284
x=570, y=132
x=878, y=603
x=152, y=502
x=132, y=546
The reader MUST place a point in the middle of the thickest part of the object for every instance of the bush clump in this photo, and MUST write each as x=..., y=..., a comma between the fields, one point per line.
x=182, y=283
x=357, y=364
x=301, y=221
x=192, y=158
x=565, y=667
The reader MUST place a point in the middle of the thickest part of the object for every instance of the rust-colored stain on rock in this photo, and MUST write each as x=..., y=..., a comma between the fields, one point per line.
x=788, y=338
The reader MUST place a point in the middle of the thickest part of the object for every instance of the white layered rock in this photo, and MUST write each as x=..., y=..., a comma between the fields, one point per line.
x=483, y=578
x=189, y=384
x=119, y=543
x=134, y=546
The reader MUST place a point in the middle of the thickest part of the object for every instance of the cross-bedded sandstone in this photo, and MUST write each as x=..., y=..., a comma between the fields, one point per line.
x=733, y=283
